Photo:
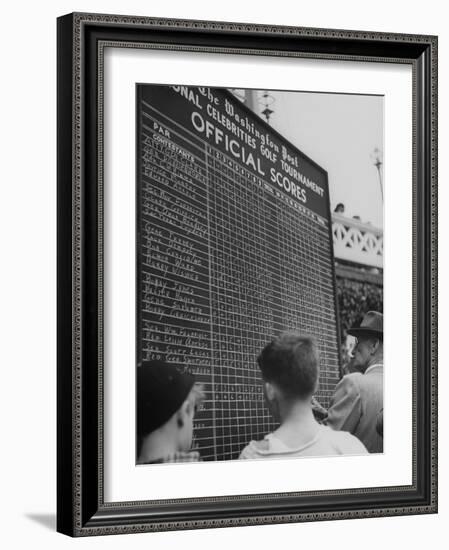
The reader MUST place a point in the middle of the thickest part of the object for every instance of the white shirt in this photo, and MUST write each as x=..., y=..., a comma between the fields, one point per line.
x=327, y=442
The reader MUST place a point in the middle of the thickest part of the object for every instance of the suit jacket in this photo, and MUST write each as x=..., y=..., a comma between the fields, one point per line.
x=357, y=404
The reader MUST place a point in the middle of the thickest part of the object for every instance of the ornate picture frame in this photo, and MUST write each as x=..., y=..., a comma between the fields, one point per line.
x=82, y=509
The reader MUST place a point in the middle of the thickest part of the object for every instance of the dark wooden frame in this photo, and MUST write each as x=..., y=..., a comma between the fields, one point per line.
x=81, y=510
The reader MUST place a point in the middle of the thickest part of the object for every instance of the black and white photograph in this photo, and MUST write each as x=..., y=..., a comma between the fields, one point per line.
x=219, y=221
x=259, y=274
x=246, y=231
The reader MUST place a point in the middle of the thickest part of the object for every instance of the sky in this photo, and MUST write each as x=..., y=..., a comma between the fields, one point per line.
x=339, y=132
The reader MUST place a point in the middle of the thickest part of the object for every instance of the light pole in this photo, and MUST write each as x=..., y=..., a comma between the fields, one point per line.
x=376, y=157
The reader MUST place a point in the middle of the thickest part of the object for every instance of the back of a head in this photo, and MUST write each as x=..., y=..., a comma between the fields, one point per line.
x=291, y=362
x=161, y=390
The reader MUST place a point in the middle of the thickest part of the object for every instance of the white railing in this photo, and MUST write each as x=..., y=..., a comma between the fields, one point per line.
x=357, y=242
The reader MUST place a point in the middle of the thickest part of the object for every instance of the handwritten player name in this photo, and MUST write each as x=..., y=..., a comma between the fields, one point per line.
x=181, y=303
x=167, y=339
x=161, y=173
x=174, y=354
x=161, y=252
x=184, y=186
x=171, y=240
x=180, y=211
x=163, y=285
x=169, y=333
x=176, y=271
x=191, y=364
x=183, y=219
x=185, y=313
x=175, y=298
x=172, y=169
x=151, y=294
x=173, y=203
x=187, y=360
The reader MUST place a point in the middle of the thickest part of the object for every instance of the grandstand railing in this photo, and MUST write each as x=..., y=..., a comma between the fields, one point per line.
x=357, y=242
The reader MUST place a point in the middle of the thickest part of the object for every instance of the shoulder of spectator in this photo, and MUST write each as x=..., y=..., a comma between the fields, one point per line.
x=350, y=383
x=253, y=447
x=353, y=443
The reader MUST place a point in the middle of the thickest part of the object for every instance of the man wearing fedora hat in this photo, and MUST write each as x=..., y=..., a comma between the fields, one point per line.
x=358, y=399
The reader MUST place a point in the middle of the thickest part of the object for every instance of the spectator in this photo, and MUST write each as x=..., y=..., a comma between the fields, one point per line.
x=166, y=402
x=351, y=306
x=340, y=208
x=290, y=368
x=358, y=398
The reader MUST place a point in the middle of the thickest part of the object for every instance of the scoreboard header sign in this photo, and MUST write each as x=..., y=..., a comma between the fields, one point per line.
x=216, y=117
x=233, y=247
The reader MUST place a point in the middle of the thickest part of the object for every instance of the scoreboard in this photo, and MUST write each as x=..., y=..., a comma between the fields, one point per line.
x=233, y=247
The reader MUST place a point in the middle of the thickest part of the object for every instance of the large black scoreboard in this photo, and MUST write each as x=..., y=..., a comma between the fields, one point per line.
x=233, y=247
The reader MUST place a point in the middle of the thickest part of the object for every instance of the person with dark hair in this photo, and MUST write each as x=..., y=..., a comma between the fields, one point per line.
x=166, y=403
x=289, y=365
x=340, y=208
x=357, y=403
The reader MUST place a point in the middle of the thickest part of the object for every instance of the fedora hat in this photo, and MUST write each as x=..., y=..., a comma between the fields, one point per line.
x=372, y=323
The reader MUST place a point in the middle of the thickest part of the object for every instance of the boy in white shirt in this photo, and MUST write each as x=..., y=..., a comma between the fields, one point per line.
x=290, y=370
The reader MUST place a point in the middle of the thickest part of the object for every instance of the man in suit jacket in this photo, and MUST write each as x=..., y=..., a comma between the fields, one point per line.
x=358, y=399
